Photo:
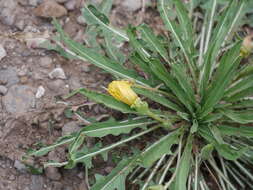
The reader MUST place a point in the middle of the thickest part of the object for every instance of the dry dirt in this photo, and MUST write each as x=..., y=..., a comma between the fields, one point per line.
x=28, y=117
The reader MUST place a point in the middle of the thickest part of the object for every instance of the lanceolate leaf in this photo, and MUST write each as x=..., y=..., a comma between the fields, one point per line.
x=159, y=99
x=92, y=15
x=224, y=25
x=181, y=75
x=116, y=179
x=84, y=53
x=239, y=86
x=239, y=95
x=44, y=150
x=170, y=82
x=223, y=76
x=243, y=117
x=114, y=127
x=153, y=41
x=136, y=44
x=228, y=152
x=159, y=148
x=171, y=25
x=243, y=131
x=185, y=24
x=107, y=100
x=184, y=167
x=82, y=157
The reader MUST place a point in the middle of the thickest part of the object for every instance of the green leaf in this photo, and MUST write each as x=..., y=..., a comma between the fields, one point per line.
x=225, y=22
x=185, y=24
x=239, y=95
x=243, y=84
x=113, y=51
x=243, y=117
x=83, y=156
x=228, y=152
x=43, y=151
x=116, y=179
x=242, y=104
x=136, y=44
x=135, y=59
x=216, y=134
x=107, y=100
x=159, y=99
x=180, y=74
x=87, y=54
x=228, y=64
x=161, y=72
x=184, y=167
x=159, y=148
x=164, y=9
x=194, y=127
x=206, y=151
x=114, y=128
x=153, y=41
x=93, y=16
x=240, y=131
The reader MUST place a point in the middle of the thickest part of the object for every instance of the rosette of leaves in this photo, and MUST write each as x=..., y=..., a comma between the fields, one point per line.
x=202, y=85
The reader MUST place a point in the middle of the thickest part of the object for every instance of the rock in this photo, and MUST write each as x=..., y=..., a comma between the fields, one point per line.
x=34, y=3
x=58, y=87
x=3, y=90
x=45, y=62
x=52, y=173
x=20, y=24
x=22, y=71
x=19, y=166
x=2, y=52
x=40, y=92
x=70, y=5
x=49, y=9
x=9, y=76
x=69, y=128
x=19, y=99
x=133, y=5
x=81, y=20
x=85, y=68
x=57, y=73
x=37, y=182
x=8, y=12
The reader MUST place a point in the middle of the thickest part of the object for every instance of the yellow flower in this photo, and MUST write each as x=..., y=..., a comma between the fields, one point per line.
x=121, y=91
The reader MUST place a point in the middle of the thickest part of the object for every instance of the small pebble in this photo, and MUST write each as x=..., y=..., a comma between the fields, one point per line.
x=57, y=73
x=19, y=166
x=40, y=92
x=49, y=9
x=81, y=20
x=70, y=5
x=2, y=52
x=45, y=62
x=53, y=173
x=3, y=90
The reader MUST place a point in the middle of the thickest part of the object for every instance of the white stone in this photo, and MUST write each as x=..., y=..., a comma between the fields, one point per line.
x=40, y=92
x=57, y=73
x=2, y=52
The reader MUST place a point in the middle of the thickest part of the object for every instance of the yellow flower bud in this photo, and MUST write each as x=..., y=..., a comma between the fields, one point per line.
x=121, y=90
